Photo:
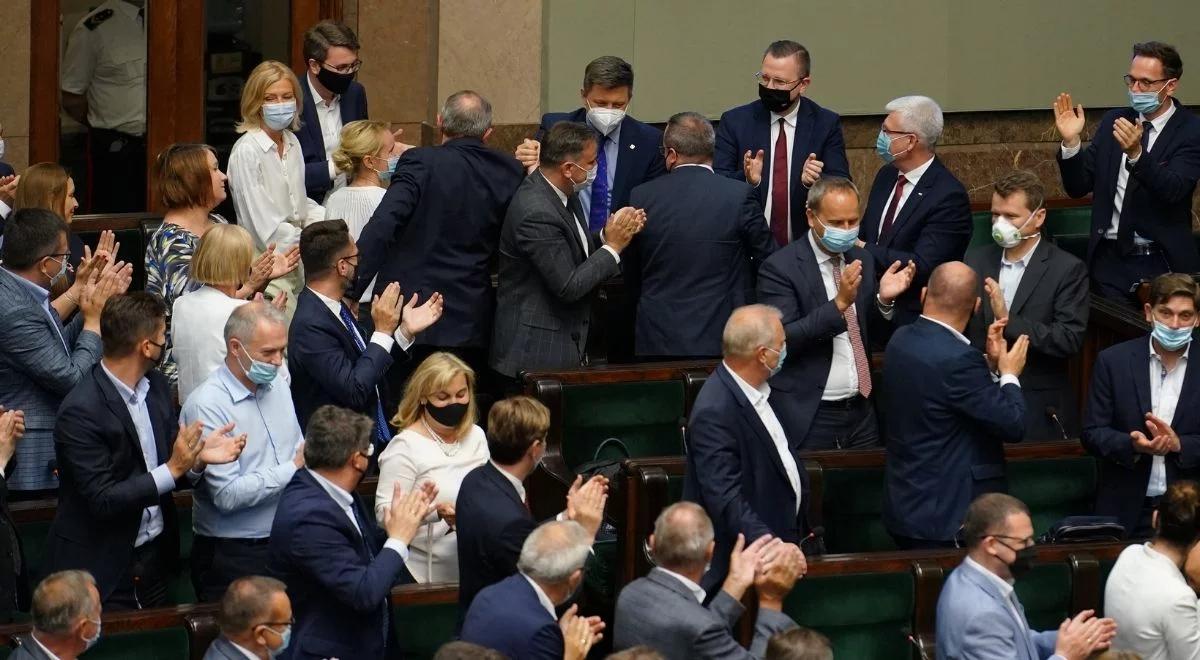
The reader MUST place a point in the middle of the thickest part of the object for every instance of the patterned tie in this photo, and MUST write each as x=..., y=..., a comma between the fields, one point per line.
x=381, y=427
x=890, y=216
x=598, y=214
x=779, y=187
x=861, y=366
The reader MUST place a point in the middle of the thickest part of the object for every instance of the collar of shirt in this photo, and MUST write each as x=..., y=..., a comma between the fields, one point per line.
x=562, y=197
x=1155, y=356
x=821, y=255
x=265, y=142
x=334, y=306
x=1003, y=585
x=42, y=646
x=956, y=332
x=344, y=499
x=541, y=596
x=40, y=294
x=237, y=391
x=243, y=650
x=704, y=165
x=1160, y=122
x=756, y=395
x=696, y=589
x=914, y=175
x=516, y=483
x=130, y=396
x=316, y=96
x=789, y=118
x=1024, y=261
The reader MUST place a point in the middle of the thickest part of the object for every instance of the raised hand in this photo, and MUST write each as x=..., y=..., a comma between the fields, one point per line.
x=752, y=166
x=399, y=147
x=995, y=298
x=812, y=170
x=996, y=345
x=622, y=226
x=282, y=264
x=1129, y=136
x=8, y=188
x=579, y=633
x=280, y=301
x=528, y=152
x=405, y=514
x=1013, y=360
x=896, y=281
x=586, y=505
x=1078, y=638
x=108, y=244
x=745, y=561
x=260, y=273
x=385, y=309
x=848, y=285
x=219, y=448
x=414, y=320
x=1069, y=120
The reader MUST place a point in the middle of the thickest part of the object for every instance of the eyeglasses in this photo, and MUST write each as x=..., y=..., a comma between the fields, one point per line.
x=352, y=67
x=1142, y=83
x=777, y=83
x=1025, y=542
x=352, y=263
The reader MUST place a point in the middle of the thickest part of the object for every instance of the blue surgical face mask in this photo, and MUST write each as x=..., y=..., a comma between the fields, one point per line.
x=259, y=373
x=883, y=147
x=1170, y=338
x=835, y=239
x=278, y=116
x=778, y=365
x=385, y=176
x=285, y=638
x=1145, y=102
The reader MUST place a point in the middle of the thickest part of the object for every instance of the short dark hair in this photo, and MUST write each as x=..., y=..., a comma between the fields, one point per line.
x=334, y=435
x=1168, y=285
x=987, y=514
x=325, y=35
x=320, y=243
x=1179, y=514
x=30, y=235
x=1022, y=181
x=799, y=644
x=129, y=318
x=608, y=71
x=466, y=651
x=513, y=425
x=786, y=48
x=1171, y=62
x=246, y=602
x=825, y=185
x=690, y=134
x=565, y=141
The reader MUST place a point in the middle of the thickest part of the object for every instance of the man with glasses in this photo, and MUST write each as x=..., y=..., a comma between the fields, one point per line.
x=978, y=613
x=255, y=620
x=1141, y=169
x=783, y=141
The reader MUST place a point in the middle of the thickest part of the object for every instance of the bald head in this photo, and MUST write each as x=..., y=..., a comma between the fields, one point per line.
x=749, y=328
x=952, y=291
x=682, y=536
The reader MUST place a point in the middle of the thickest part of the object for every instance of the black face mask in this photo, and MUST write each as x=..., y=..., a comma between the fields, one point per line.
x=1024, y=561
x=775, y=100
x=333, y=81
x=448, y=415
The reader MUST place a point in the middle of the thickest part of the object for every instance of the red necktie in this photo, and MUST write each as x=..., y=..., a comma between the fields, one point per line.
x=890, y=216
x=861, y=366
x=779, y=188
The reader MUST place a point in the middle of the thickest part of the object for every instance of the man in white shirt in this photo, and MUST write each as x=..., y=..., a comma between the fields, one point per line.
x=255, y=620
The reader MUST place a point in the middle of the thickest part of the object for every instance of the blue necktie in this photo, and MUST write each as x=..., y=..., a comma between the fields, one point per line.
x=381, y=427
x=598, y=214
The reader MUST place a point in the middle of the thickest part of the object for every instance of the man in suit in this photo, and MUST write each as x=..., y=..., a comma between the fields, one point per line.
x=120, y=455
x=338, y=566
x=1138, y=417
x=493, y=514
x=41, y=359
x=1140, y=169
x=826, y=289
x=550, y=264
x=978, y=614
x=332, y=360
x=946, y=428
x=798, y=138
x=741, y=460
x=665, y=610
x=1042, y=292
x=917, y=210
x=437, y=230
x=695, y=263
x=628, y=153
x=14, y=586
x=516, y=616
x=255, y=620
x=66, y=618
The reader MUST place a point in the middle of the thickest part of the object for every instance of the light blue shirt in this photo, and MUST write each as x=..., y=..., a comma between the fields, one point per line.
x=1011, y=273
x=237, y=500
x=43, y=297
x=611, y=146
x=135, y=401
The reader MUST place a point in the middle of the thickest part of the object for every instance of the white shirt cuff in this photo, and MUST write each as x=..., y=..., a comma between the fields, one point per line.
x=1009, y=379
x=333, y=172
x=886, y=311
x=404, y=340
x=1069, y=152
x=399, y=546
x=163, y=481
x=383, y=340
x=612, y=252
x=5, y=209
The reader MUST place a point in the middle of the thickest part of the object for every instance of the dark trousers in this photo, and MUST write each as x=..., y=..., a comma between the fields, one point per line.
x=910, y=543
x=117, y=169
x=144, y=582
x=1145, y=527
x=217, y=562
x=846, y=424
x=1115, y=275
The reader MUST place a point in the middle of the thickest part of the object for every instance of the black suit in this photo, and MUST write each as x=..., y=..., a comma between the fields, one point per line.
x=104, y=483
x=694, y=263
x=493, y=523
x=1051, y=307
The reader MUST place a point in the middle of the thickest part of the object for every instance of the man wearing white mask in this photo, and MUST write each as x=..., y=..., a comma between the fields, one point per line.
x=1042, y=291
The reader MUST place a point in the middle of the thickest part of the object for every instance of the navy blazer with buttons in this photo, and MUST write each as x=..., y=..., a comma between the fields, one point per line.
x=353, y=106
x=493, y=524
x=508, y=617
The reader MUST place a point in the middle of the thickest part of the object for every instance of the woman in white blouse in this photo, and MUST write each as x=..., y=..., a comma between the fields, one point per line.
x=364, y=155
x=266, y=168
x=439, y=442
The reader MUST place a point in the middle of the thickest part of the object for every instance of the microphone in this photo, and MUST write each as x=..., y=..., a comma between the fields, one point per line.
x=817, y=536
x=1052, y=413
x=913, y=640
x=583, y=360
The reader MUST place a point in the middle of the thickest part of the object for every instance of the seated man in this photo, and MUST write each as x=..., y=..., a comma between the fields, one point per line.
x=799, y=644
x=66, y=618
x=665, y=610
x=1139, y=418
x=978, y=614
x=516, y=615
x=233, y=506
x=255, y=620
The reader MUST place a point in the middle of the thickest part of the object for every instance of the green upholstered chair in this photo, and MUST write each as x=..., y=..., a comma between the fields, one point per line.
x=644, y=416
x=852, y=510
x=1045, y=594
x=1054, y=488
x=422, y=629
x=866, y=615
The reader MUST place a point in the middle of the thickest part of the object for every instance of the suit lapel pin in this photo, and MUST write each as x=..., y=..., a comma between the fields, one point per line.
x=633, y=146
x=920, y=194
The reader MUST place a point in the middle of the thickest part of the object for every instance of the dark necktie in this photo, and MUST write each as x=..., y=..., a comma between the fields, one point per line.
x=1146, y=128
x=890, y=216
x=779, y=187
x=381, y=427
x=365, y=533
x=576, y=210
x=598, y=214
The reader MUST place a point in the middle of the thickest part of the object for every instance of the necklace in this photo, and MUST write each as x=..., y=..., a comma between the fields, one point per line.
x=448, y=448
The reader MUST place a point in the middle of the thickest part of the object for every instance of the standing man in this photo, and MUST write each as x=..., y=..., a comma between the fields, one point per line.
x=826, y=289
x=1042, y=292
x=1141, y=169
x=695, y=263
x=1139, y=417
x=783, y=142
x=947, y=419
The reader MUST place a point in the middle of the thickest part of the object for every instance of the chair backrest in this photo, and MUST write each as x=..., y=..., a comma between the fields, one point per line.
x=202, y=630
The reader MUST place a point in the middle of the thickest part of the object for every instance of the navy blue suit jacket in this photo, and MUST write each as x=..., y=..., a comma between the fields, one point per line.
x=1158, y=196
x=353, y=105
x=638, y=156
x=1117, y=404
x=326, y=365
x=748, y=128
x=946, y=427
x=492, y=526
x=509, y=618
x=337, y=579
x=695, y=263
x=437, y=229
x=791, y=280
x=735, y=473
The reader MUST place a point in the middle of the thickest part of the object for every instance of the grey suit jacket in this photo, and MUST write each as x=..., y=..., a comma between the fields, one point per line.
x=543, y=303
x=974, y=620
x=36, y=372
x=223, y=649
x=29, y=650
x=658, y=611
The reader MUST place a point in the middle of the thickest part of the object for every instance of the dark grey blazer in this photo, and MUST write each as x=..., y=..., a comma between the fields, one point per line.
x=1051, y=306
x=659, y=612
x=29, y=650
x=546, y=282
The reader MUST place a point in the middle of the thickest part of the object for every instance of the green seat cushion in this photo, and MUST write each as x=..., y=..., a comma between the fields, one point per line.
x=1054, y=488
x=852, y=510
x=33, y=544
x=644, y=416
x=423, y=629
x=864, y=615
x=167, y=644
x=981, y=229
x=1045, y=593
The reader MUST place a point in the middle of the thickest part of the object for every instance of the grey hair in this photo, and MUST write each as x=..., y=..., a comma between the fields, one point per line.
x=60, y=600
x=245, y=319
x=825, y=185
x=554, y=551
x=682, y=534
x=748, y=328
x=466, y=114
x=690, y=134
x=920, y=115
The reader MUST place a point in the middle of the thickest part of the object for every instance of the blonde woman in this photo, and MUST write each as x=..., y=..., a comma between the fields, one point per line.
x=266, y=168
x=365, y=157
x=439, y=442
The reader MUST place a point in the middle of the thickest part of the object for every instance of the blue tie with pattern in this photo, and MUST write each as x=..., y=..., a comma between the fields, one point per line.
x=598, y=214
x=381, y=427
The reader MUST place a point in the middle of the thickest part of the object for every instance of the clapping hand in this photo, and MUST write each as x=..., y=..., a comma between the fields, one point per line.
x=414, y=320
x=219, y=448
x=399, y=147
x=1069, y=120
x=1162, y=439
x=896, y=281
x=406, y=513
x=848, y=285
x=745, y=562
x=8, y=188
x=622, y=226
x=585, y=504
x=386, y=310
x=12, y=427
x=282, y=264
x=579, y=633
x=1129, y=135
x=812, y=170
x=752, y=166
x=1078, y=638
x=996, y=298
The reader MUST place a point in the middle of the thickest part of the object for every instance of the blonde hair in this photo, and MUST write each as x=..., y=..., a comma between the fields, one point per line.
x=434, y=374
x=263, y=76
x=360, y=139
x=223, y=256
x=43, y=186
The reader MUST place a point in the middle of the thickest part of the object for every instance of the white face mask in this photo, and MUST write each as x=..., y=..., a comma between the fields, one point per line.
x=1007, y=234
x=605, y=120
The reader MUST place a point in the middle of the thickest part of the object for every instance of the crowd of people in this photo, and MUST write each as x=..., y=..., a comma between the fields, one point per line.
x=347, y=325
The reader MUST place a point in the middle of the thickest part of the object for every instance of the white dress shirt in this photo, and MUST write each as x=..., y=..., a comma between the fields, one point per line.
x=789, y=130
x=1012, y=271
x=381, y=338
x=1156, y=611
x=242, y=650
x=541, y=596
x=345, y=501
x=697, y=590
x=198, y=335
x=1165, y=387
x=842, y=382
x=758, y=397
x=1157, y=126
x=329, y=115
x=268, y=190
x=516, y=483
x=581, y=228
x=914, y=177
x=1004, y=379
